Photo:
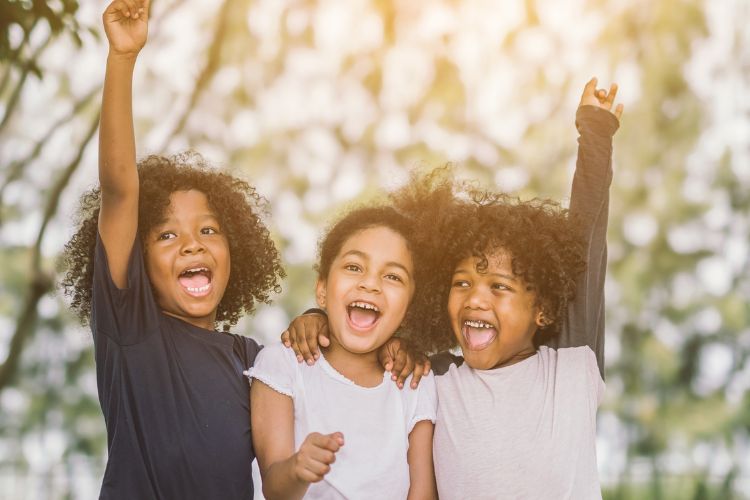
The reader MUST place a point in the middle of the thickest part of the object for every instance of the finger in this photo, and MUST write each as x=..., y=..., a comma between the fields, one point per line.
x=422, y=367
x=618, y=111
x=399, y=362
x=294, y=346
x=304, y=347
x=331, y=442
x=117, y=10
x=309, y=476
x=590, y=88
x=323, y=456
x=400, y=359
x=323, y=339
x=385, y=358
x=311, y=342
x=601, y=94
x=405, y=371
x=416, y=376
x=285, y=339
x=612, y=94
x=318, y=469
x=132, y=8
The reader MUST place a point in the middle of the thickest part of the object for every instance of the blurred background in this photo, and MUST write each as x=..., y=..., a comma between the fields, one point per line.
x=320, y=103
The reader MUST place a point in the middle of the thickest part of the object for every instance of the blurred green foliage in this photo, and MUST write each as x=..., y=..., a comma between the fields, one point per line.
x=321, y=103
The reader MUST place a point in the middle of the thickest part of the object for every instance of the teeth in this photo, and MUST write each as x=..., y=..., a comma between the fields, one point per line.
x=478, y=324
x=364, y=305
x=196, y=270
x=199, y=289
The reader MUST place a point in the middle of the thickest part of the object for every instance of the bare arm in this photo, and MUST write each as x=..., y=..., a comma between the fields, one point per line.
x=421, y=469
x=286, y=474
x=126, y=24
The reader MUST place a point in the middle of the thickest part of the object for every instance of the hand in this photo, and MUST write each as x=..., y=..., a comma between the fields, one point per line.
x=316, y=454
x=601, y=98
x=400, y=359
x=304, y=334
x=126, y=26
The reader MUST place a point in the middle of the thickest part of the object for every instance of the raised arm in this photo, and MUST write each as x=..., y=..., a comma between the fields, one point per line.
x=589, y=203
x=126, y=26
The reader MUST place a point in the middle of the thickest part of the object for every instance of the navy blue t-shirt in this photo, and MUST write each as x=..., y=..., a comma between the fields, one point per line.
x=174, y=399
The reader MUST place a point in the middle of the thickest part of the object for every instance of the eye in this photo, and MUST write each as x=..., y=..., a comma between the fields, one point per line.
x=461, y=284
x=501, y=287
x=394, y=277
x=166, y=235
x=353, y=268
x=209, y=230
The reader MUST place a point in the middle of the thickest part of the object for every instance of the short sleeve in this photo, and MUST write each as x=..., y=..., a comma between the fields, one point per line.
x=125, y=315
x=275, y=366
x=426, y=405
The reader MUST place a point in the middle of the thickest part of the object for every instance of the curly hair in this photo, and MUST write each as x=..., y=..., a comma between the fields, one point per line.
x=459, y=220
x=255, y=261
x=366, y=217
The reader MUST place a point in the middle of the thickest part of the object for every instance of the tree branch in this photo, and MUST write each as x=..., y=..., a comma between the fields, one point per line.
x=15, y=55
x=208, y=71
x=15, y=170
x=14, y=98
x=41, y=281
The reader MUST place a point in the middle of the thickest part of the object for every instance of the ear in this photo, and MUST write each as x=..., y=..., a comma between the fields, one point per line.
x=320, y=293
x=541, y=319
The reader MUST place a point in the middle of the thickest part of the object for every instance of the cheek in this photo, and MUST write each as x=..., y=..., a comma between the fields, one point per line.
x=453, y=306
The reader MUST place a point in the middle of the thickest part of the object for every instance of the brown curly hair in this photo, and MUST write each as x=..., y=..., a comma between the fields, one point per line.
x=255, y=261
x=456, y=220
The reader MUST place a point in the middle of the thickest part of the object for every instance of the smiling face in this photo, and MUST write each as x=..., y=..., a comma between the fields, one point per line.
x=368, y=289
x=493, y=313
x=187, y=260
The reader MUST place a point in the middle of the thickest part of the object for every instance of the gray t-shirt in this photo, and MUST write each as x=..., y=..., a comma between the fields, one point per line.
x=528, y=430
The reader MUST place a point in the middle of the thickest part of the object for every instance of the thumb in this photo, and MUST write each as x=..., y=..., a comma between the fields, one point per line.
x=386, y=357
x=323, y=339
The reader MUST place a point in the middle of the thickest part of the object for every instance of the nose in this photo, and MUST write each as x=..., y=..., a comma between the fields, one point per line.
x=369, y=282
x=477, y=299
x=192, y=245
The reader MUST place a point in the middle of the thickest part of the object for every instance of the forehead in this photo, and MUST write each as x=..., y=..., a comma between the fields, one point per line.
x=186, y=203
x=498, y=260
x=379, y=242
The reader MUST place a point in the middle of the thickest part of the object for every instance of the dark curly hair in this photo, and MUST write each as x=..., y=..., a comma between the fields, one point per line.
x=459, y=220
x=255, y=262
x=366, y=217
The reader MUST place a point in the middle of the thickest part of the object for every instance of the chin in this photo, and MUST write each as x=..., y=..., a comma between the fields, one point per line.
x=359, y=346
x=478, y=360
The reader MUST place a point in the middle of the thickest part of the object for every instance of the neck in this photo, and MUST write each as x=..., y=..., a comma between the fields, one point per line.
x=207, y=323
x=361, y=368
x=519, y=356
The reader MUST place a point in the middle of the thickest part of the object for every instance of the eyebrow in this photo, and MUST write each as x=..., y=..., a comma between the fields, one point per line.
x=365, y=256
x=498, y=275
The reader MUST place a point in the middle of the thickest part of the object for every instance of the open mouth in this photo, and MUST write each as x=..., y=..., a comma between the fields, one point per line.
x=478, y=334
x=196, y=281
x=363, y=315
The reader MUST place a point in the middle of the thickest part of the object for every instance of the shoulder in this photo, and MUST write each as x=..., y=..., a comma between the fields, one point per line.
x=581, y=354
x=246, y=348
x=442, y=361
x=575, y=367
x=274, y=355
x=275, y=366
